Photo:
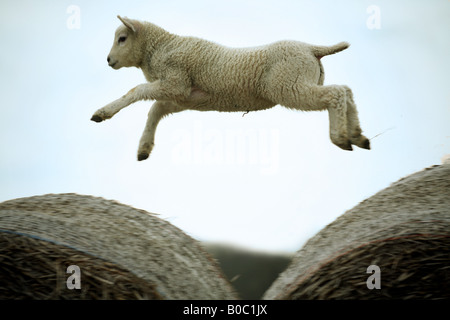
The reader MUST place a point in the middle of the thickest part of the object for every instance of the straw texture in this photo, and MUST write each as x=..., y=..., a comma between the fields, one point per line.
x=403, y=229
x=122, y=252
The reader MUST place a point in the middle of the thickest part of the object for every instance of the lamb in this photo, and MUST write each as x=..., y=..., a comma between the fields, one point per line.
x=188, y=73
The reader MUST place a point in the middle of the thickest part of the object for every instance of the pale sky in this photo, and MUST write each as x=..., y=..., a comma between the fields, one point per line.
x=269, y=180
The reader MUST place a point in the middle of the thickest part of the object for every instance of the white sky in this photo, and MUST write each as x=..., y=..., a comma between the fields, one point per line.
x=269, y=180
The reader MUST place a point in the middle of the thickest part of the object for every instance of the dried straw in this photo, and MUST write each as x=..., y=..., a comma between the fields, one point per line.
x=122, y=252
x=404, y=229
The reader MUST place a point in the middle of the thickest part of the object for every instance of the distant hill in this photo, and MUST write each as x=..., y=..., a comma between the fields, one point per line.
x=250, y=272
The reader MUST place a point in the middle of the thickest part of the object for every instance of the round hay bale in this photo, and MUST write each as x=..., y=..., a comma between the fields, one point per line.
x=121, y=252
x=403, y=229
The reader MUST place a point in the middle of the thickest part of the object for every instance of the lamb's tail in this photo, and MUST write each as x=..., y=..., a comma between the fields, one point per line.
x=321, y=51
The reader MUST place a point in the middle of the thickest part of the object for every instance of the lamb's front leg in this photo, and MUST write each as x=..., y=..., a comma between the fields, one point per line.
x=145, y=91
x=158, y=110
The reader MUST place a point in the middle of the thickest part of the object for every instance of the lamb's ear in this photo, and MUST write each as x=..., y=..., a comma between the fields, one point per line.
x=133, y=25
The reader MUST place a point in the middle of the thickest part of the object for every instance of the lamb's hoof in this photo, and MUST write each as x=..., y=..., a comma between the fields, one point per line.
x=142, y=156
x=361, y=142
x=96, y=118
x=346, y=146
x=366, y=144
x=349, y=148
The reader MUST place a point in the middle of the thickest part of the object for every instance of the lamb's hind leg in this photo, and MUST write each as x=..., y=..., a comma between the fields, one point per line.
x=354, y=129
x=158, y=110
x=335, y=99
x=314, y=97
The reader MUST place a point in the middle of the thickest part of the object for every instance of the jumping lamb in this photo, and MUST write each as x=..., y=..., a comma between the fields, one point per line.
x=188, y=73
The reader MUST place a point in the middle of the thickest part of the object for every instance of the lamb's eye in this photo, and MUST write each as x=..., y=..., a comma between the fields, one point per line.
x=122, y=39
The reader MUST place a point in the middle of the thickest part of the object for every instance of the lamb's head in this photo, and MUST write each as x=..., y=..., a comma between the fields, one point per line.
x=127, y=48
